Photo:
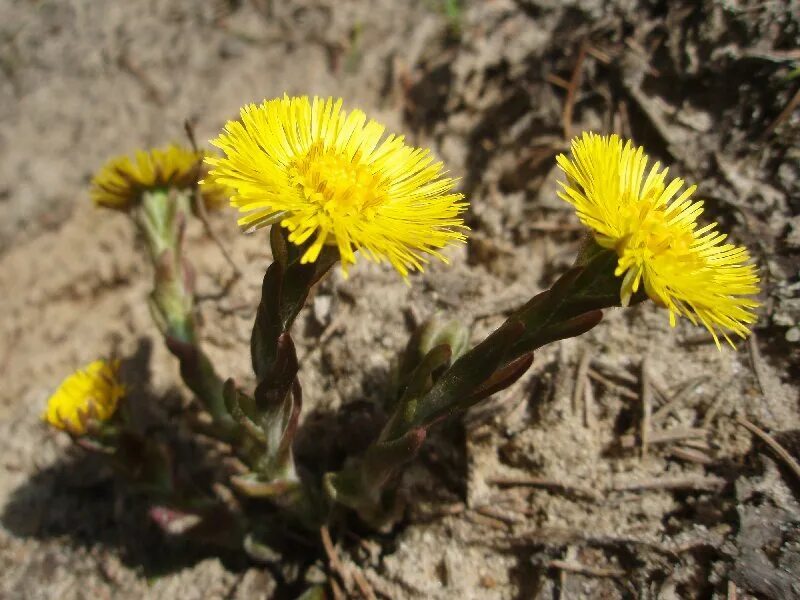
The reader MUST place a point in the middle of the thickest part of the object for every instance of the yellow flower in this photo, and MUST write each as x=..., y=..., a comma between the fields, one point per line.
x=121, y=182
x=90, y=393
x=688, y=270
x=320, y=171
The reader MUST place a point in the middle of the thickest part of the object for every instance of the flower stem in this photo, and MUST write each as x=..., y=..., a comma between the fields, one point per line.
x=162, y=216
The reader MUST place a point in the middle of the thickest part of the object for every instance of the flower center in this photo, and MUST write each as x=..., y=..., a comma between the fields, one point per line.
x=652, y=234
x=339, y=185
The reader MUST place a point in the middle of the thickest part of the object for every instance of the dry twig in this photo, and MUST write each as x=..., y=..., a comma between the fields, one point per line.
x=572, y=90
x=493, y=513
x=600, y=55
x=581, y=380
x=709, y=483
x=691, y=455
x=664, y=410
x=677, y=434
x=588, y=405
x=336, y=590
x=556, y=80
x=200, y=207
x=151, y=91
x=548, y=484
x=770, y=441
x=363, y=585
x=613, y=385
x=732, y=592
x=647, y=405
x=576, y=567
x=755, y=359
x=333, y=559
x=785, y=114
x=569, y=558
x=482, y=519
x=718, y=401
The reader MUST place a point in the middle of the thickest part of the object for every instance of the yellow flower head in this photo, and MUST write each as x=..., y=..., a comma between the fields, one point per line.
x=121, y=182
x=90, y=393
x=320, y=171
x=688, y=270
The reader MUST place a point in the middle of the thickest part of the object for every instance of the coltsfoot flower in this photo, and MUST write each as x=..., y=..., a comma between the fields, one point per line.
x=91, y=393
x=331, y=175
x=683, y=266
x=122, y=181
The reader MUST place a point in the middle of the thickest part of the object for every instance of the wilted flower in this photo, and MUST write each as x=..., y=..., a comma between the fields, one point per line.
x=330, y=175
x=91, y=393
x=685, y=268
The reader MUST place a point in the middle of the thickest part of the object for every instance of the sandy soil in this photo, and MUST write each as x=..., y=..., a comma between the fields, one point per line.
x=548, y=489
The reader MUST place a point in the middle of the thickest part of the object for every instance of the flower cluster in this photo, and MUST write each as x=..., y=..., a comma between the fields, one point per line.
x=89, y=394
x=331, y=184
x=332, y=177
x=683, y=266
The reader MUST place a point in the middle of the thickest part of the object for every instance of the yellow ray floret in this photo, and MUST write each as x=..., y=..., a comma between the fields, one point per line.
x=651, y=223
x=121, y=182
x=90, y=393
x=331, y=177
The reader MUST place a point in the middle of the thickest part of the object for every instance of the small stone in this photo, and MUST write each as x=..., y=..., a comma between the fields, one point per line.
x=322, y=309
x=256, y=584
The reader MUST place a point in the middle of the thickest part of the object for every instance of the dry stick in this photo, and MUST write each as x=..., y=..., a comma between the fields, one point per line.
x=493, y=513
x=613, y=373
x=670, y=405
x=363, y=585
x=710, y=484
x=598, y=54
x=575, y=567
x=588, y=404
x=785, y=113
x=440, y=513
x=228, y=498
x=755, y=359
x=691, y=455
x=562, y=575
x=479, y=518
x=613, y=385
x=333, y=558
x=138, y=73
x=556, y=80
x=697, y=340
x=569, y=101
x=647, y=405
x=624, y=127
x=699, y=444
x=732, y=592
x=676, y=434
x=581, y=379
x=548, y=484
x=200, y=206
x=338, y=594
x=203, y=214
x=719, y=400
x=772, y=443
x=643, y=55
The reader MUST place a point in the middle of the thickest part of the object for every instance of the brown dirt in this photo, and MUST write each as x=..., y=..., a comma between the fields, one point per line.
x=701, y=88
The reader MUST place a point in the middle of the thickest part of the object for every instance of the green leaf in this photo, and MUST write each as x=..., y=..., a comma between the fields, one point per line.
x=284, y=291
x=466, y=374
